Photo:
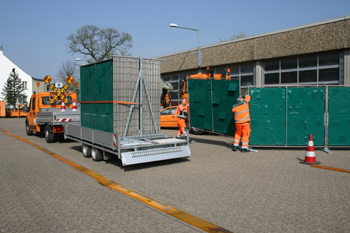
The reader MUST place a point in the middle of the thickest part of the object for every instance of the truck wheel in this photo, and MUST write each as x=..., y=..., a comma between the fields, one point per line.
x=28, y=129
x=196, y=131
x=49, y=135
x=96, y=154
x=86, y=151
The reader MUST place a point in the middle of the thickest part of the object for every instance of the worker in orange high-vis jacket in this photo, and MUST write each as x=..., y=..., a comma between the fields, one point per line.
x=181, y=114
x=242, y=122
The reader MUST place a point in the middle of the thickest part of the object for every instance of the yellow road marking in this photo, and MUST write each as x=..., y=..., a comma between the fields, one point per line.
x=170, y=210
x=331, y=168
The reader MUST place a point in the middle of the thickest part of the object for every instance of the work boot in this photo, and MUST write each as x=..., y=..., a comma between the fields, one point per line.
x=234, y=148
x=177, y=137
x=245, y=150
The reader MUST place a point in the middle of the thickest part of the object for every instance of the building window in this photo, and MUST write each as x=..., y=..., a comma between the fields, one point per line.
x=304, y=70
x=245, y=72
x=24, y=84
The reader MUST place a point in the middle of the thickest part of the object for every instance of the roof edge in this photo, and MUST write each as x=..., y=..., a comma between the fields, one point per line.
x=261, y=35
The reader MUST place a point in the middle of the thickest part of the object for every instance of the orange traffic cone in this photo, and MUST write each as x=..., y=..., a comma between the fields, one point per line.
x=74, y=108
x=310, y=157
x=63, y=107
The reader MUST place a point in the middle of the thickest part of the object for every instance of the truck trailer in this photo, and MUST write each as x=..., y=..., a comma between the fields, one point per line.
x=120, y=113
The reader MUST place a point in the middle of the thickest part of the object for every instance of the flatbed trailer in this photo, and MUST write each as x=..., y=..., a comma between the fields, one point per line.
x=101, y=145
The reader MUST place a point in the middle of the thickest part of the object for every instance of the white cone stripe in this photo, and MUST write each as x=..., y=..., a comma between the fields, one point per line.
x=310, y=154
x=311, y=143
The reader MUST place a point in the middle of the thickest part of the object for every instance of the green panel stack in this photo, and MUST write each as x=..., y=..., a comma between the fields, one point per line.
x=306, y=107
x=268, y=116
x=111, y=93
x=96, y=81
x=211, y=104
x=339, y=116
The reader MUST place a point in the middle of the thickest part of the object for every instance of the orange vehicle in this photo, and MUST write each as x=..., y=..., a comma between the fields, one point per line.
x=17, y=113
x=46, y=117
x=2, y=109
x=168, y=118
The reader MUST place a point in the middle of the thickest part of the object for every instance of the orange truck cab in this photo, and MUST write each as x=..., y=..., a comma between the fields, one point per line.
x=44, y=114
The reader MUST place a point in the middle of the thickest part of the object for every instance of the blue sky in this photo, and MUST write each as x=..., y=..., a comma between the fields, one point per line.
x=33, y=33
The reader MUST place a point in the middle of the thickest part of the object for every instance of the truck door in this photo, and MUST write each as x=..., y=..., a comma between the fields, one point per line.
x=31, y=114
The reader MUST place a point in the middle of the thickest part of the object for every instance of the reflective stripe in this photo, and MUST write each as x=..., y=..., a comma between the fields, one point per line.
x=235, y=144
x=244, y=147
x=236, y=140
x=244, y=111
x=244, y=143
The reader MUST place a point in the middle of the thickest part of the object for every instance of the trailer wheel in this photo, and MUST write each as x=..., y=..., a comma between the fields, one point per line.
x=28, y=129
x=96, y=154
x=86, y=151
x=49, y=135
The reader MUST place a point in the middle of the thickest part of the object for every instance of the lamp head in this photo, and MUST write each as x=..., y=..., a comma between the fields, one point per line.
x=173, y=25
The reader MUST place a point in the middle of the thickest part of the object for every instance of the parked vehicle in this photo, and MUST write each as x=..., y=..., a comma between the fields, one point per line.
x=49, y=118
x=19, y=112
x=168, y=118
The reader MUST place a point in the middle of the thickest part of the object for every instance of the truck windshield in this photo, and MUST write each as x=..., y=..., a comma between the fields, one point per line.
x=46, y=101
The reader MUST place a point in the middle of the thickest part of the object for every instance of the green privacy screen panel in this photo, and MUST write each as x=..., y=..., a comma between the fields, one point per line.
x=268, y=116
x=211, y=104
x=304, y=107
x=280, y=116
x=225, y=94
x=200, y=103
x=339, y=116
x=96, y=82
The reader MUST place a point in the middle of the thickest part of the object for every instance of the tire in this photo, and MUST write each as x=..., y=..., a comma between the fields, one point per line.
x=196, y=131
x=49, y=135
x=86, y=151
x=28, y=129
x=96, y=154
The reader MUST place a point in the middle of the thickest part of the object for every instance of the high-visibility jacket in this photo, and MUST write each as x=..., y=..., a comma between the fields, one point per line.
x=167, y=99
x=182, y=111
x=241, y=111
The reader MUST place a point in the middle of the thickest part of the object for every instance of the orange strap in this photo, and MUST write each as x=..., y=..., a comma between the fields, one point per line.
x=108, y=102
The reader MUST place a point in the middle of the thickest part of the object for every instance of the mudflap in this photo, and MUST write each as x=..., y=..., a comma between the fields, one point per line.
x=152, y=155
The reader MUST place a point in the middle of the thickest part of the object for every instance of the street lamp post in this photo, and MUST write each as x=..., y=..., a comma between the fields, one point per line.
x=199, y=54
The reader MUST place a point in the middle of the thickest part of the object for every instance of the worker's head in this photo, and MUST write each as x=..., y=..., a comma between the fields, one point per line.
x=240, y=98
x=184, y=101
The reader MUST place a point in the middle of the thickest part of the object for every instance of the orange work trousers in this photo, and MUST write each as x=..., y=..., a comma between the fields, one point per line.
x=182, y=125
x=242, y=131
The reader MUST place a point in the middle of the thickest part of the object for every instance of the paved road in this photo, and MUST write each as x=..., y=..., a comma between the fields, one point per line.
x=268, y=191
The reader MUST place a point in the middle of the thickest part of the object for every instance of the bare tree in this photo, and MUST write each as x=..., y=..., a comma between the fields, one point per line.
x=234, y=37
x=68, y=68
x=99, y=44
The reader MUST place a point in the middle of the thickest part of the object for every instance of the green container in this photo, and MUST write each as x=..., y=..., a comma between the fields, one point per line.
x=339, y=116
